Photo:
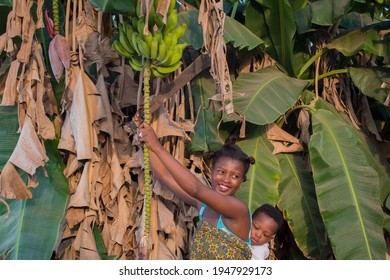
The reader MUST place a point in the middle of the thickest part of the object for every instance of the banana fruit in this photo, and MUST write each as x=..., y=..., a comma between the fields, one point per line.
x=143, y=47
x=159, y=47
x=162, y=49
x=165, y=70
x=135, y=64
x=154, y=48
x=120, y=49
x=171, y=22
x=124, y=40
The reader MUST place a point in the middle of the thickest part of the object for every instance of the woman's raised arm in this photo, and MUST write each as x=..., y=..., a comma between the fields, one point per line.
x=181, y=177
x=163, y=175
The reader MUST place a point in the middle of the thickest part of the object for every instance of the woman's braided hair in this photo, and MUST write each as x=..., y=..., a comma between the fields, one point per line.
x=231, y=150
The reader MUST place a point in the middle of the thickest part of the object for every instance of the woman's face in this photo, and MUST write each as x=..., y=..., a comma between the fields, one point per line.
x=227, y=175
x=263, y=229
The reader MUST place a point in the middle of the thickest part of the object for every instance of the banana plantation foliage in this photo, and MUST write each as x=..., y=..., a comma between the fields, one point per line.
x=304, y=85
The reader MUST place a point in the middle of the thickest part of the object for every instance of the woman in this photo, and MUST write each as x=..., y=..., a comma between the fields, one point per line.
x=223, y=230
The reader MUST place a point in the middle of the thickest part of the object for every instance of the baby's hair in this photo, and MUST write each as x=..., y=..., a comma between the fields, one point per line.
x=270, y=211
x=231, y=150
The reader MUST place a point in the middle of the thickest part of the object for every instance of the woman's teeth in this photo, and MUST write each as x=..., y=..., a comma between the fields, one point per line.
x=224, y=188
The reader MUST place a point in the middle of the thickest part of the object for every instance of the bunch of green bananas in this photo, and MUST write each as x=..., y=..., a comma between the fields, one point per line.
x=159, y=47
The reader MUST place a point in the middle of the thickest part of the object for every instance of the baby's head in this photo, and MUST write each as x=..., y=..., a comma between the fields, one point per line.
x=266, y=221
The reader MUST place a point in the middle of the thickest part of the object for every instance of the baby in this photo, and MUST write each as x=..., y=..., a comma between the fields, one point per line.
x=266, y=221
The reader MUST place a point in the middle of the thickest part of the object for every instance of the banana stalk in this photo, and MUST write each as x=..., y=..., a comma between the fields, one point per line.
x=145, y=243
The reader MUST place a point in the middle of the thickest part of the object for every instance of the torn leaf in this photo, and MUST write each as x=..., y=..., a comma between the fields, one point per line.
x=283, y=142
x=11, y=184
x=10, y=91
x=29, y=153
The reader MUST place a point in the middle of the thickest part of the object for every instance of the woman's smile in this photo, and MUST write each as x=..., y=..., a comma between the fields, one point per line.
x=223, y=188
x=227, y=175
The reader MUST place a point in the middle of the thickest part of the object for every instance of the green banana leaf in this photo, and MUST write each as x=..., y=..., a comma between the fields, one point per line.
x=302, y=15
x=327, y=12
x=297, y=199
x=255, y=22
x=302, y=19
x=265, y=95
x=298, y=4
x=376, y=161
x=347, y=189
x=357, y=20
x=262, y=177
x=100, y=245
x=281, y=29
x=4, y=11
x=194, y=34
x=367, y=38
x=206, y=135
x=240, y=36
x=234, y=32
x=7, y=3
x=31, y=230
x=124, y=7
x=370, y=81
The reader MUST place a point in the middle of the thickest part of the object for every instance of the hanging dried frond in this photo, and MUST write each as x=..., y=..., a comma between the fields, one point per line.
x=212, y=19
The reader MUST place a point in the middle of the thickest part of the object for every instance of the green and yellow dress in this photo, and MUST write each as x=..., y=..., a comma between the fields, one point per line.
x=217, y=243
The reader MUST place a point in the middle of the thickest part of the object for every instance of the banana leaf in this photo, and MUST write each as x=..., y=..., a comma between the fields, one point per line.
x=7, y=3
x=31, y=230
x=327, y=12
x=255, y=22
x=240, y=36
x=194, y=34
x=375, y=160
x=234, y=32
x=265, y=95
x=4, y=11
x=357, y=20
x=281, y=29
x=8, y=127
x=124, y=7
x=206, y=135
x=302, y=19
x=347, y=189
x=100, y=245
x=262, y=177
x=297, y=199
x=370, y=81
x=370, y=39
x=298, y=4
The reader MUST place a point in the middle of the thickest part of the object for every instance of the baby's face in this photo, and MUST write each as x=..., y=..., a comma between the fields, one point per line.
x=263, y=229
